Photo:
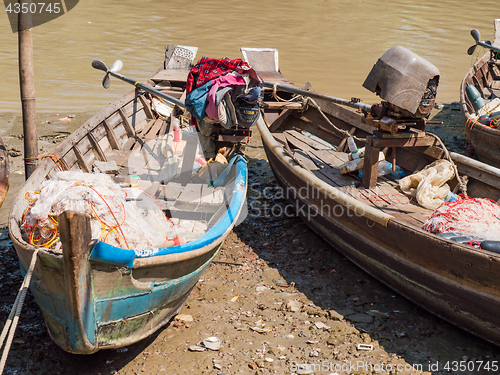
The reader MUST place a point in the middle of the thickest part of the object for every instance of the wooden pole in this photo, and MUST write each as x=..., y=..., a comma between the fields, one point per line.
x=27, y=83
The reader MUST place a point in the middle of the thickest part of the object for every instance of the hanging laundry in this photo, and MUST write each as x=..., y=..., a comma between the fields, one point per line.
x=221, y=82
x=223, y=90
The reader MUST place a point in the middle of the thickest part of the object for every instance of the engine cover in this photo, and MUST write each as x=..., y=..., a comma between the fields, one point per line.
x=405, y=80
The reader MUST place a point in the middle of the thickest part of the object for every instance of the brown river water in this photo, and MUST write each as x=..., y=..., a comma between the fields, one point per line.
x=331, y=43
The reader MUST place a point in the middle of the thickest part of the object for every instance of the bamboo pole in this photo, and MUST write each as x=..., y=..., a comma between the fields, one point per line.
x=27, y=83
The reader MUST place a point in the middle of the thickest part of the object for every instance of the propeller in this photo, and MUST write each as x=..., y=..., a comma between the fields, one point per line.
x=477, y=37
x=475, y=34
x=116, y=67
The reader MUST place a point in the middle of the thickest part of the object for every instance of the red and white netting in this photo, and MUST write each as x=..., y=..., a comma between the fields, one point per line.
x=476, y=217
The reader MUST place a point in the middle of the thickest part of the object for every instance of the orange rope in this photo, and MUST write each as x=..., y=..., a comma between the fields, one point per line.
x=54, y=158
x=36, y=229
x=113, y=214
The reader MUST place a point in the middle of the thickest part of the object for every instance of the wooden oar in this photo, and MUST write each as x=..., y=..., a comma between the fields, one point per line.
x=117, y=65
x=312, y=94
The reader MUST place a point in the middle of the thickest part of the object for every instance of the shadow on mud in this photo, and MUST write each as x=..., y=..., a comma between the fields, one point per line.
x=334, y=286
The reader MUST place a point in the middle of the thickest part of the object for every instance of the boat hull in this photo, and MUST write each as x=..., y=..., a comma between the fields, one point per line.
x=455, y=284
x=123, y=307
x=110, y=304
x=486, y=143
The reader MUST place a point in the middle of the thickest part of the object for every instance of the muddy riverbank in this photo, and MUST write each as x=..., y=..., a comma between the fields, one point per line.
x=280, y=299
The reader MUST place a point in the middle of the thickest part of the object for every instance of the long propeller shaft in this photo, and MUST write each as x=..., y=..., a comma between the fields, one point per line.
x=312, y=94
x=149, y=89
x=113, y=70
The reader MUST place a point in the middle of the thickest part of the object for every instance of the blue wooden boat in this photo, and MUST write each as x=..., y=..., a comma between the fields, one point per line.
x=94, y=295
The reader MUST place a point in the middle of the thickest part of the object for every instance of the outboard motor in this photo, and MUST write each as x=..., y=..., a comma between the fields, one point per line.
x=407, y=82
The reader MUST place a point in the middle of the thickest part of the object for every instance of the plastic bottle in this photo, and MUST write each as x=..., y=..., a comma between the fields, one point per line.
x=385, y=168
x=352, y=147
x=451, y=197
x=475, y=97
x=177, y=130
x=199, y=162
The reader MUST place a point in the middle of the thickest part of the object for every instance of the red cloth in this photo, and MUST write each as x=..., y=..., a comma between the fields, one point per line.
x=207, y=69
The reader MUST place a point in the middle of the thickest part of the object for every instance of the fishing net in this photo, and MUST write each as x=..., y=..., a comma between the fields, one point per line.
x=115, y=219
x=474, y=217
x=429, y=186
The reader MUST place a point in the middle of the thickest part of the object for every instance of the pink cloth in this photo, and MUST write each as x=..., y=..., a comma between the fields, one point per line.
x=227, y=80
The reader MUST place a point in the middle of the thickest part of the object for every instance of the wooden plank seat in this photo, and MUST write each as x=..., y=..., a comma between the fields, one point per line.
x=171, y=75
x=194, y=201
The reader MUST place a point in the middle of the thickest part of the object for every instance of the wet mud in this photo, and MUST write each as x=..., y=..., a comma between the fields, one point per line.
x=279, y=298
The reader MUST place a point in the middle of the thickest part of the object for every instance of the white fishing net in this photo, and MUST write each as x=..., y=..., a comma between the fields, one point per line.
x=429, y=186
x=135, y=224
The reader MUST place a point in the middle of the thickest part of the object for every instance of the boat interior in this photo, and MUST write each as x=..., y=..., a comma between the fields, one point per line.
x=486, y=78
x=324, y=160
x=134, y=141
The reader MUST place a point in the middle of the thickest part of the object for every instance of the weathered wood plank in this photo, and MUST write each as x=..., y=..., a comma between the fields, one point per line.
x=188, y=157
x=297, y=143
x=283, y=105
x=126, y=124
x=307, y=140
x=370, y=167
x=332, y=158
x=155, y=129
x=75, y=234
x=407, y=207
x=170, y=191
x=189, y=198
x=171, y=75
x=97, y=148
x=119, y=156
x=404, y=142
x=281, y=139
x=81, y=162
x=113, y=140
x=281, y=118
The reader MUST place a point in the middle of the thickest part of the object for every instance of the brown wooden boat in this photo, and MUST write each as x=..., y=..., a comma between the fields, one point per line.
x=482, y=129
x=94, y=295
x=377, y=227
